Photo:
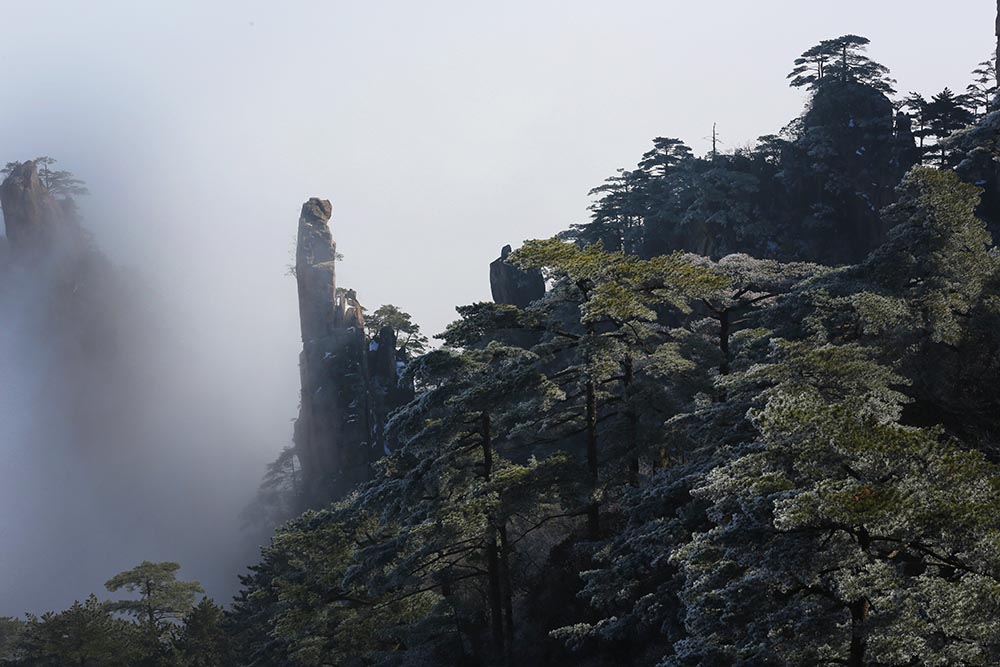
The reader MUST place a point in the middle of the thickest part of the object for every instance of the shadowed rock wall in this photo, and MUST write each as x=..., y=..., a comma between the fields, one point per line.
x=512, y=285
x=331, y=432
x=350, y=384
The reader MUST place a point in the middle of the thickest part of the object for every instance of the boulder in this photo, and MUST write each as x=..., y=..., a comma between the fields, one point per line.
x=512, y=285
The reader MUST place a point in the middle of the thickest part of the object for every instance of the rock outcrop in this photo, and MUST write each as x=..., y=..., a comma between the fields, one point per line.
x=36, y=223
x=388, y=387
x=352, y=379
x=349, y=383
x=330, y=433
x=512, y=285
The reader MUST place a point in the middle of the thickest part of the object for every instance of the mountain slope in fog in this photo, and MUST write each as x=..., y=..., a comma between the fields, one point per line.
x=110, y=446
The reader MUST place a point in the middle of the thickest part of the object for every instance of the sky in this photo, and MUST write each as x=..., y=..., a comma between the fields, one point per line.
x=439, y=130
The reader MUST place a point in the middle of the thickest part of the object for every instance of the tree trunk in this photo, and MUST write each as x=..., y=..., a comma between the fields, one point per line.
x=459, y=630
x=724, y=333
x=859, y=614
x=496, y=612
x=593, y=516
x=632, y=424
x=508, y=595
x=492, y=555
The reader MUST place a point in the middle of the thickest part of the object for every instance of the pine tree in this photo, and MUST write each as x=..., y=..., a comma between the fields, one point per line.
x=85, y=635
x=11, y=631
x=981, y=93
x=612, y=325
x=946, y=114
x=840, y=169
x=666, y=153
x=916, y=104
x=840, y=60
x=617, y=214
x=839, y=535
x=162, y=599
x=409, y=339
x=632, y=586
x=201, y=640
x=59, y=182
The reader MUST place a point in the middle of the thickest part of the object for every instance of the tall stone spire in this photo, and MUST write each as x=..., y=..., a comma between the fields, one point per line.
x=315, y=254
x=331, y=433
x=350, y=383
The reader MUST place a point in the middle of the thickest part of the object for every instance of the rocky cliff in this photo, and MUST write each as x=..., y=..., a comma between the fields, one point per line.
x=66, y=305
x=351, y=378
x=37, y=224
x=350, y=383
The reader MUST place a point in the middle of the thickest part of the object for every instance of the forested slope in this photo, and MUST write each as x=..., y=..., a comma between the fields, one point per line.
x=752, y=421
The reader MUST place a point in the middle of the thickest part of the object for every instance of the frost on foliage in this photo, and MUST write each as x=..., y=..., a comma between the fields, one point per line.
x=842, y=521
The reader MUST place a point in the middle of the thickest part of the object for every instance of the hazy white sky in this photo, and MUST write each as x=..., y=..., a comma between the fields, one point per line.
x=440, y=130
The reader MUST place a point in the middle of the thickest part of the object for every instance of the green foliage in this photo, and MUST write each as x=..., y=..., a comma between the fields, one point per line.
x=11, y=631
x=161, y=597
x=840, y=60
x=840, y=168
x=86, y=634
x=813, y=192
x=685, y=461
x=840, y=536
x=677, y=201
x=666, y=154
x=979, y=94
x=279, y=496
x=945, y=114
x=59, y=182
x=699, y=447
x=407, y=332
x=485, y=320
x=937, y=254
x=202, y=639
x=616, y=286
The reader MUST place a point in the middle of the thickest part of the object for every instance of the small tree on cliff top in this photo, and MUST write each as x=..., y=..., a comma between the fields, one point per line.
x=58, y=182
x=407, y=332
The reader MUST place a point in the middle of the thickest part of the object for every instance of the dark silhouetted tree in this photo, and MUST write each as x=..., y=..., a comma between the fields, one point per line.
x=841, y=59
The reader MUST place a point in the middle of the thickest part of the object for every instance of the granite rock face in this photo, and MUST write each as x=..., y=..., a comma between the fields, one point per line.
x=72, y=324
x=314, y=269
x=36, y=223
x=512, y=285
x=352, y=379
x=349, y=383
x=330, y=435
x=388, y=388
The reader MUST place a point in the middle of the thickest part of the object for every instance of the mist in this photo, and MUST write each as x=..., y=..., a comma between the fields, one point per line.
x=440, y=132
x=124, y=440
